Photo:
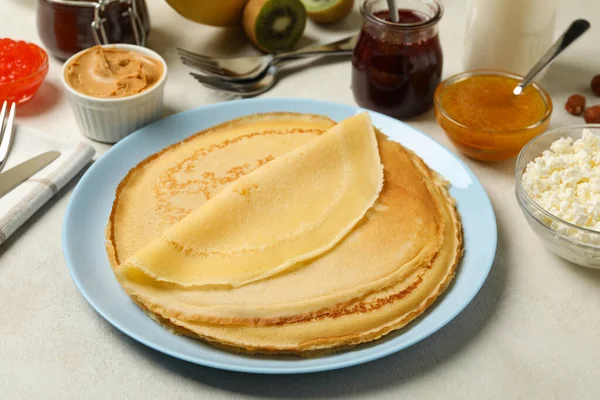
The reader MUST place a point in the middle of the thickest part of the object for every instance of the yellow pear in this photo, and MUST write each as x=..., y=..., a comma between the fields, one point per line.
x=210, y=12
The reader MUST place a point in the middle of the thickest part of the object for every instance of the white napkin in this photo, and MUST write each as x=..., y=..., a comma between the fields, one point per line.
x=23, y=201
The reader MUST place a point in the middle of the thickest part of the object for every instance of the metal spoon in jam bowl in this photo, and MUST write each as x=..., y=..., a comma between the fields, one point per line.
x=577, y=28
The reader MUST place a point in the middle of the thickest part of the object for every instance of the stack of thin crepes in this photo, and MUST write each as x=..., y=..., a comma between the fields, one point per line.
x=284, y=233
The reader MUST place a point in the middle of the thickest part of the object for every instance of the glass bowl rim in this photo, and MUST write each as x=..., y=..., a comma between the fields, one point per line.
x=474, y=72
x=521, y=190
x=549, y=229
x=439, y=12
x=41, y=68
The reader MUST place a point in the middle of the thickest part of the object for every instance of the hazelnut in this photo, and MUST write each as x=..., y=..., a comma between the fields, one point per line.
x=595, y=85
x=592, y=115
x=575, y=104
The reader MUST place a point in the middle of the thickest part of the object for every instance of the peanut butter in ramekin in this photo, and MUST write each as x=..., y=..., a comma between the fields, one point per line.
x=112, y=73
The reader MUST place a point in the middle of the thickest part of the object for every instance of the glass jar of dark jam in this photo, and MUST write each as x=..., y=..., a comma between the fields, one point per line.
x=66, y=27
x=396, y=66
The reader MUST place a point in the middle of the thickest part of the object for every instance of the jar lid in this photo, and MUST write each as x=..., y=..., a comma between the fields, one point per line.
x=99, y=6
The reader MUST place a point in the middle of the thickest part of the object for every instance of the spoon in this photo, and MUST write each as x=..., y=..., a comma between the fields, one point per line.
x=577, y=28
x=393, y=10
x=243, y=89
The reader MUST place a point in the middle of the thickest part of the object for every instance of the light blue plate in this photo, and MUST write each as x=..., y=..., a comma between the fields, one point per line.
x=89, y=208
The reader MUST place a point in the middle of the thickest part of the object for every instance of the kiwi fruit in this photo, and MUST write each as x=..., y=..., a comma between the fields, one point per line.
x=274, y=25
x=328, y=11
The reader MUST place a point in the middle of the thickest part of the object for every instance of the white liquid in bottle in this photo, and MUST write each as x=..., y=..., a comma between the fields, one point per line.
x=508, y=34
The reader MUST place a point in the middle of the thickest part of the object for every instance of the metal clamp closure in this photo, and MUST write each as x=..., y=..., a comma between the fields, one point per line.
x=99, y=31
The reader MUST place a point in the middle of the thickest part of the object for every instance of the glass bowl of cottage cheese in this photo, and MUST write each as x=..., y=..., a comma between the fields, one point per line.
x=558, y=190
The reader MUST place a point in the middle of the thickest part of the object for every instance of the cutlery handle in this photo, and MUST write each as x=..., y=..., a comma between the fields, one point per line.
x=576, y=29
x=340, y=47
x=6, y=138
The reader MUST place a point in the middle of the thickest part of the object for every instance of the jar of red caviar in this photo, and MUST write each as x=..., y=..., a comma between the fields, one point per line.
x=396, y=66
x=68, y=26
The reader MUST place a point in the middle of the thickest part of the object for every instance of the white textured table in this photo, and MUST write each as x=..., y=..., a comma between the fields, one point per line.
x=532, y=332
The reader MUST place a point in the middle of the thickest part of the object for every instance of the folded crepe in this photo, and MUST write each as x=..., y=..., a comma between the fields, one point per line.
x=170, y=184
x=355, y=285
x=294, y=208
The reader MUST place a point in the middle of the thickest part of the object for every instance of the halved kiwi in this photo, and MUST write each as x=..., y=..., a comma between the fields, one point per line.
x=274, y=25
x=328, y=11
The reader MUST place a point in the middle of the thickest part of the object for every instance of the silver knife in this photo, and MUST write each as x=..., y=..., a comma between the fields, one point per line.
x=20, y=173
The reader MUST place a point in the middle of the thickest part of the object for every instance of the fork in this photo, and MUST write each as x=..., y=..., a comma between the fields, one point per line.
x=6, y=131
x=236, y=69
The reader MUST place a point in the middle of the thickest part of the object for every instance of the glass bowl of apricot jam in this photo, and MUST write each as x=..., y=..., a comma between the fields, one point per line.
x=484, y=119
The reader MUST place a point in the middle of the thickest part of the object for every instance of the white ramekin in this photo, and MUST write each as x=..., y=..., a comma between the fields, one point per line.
x=110, y=120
